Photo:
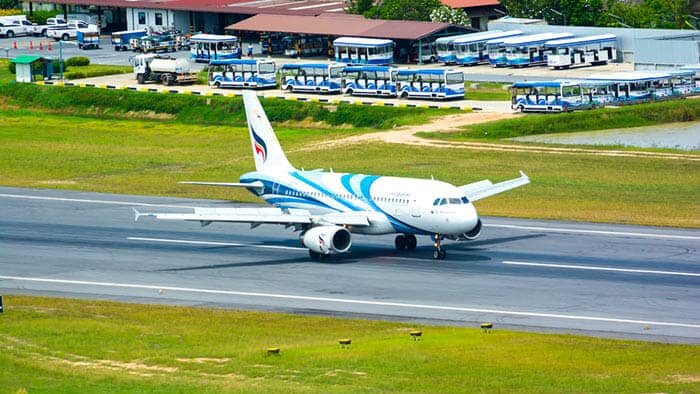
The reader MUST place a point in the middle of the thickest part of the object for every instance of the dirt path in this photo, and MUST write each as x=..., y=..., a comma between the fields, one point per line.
x=406, y=135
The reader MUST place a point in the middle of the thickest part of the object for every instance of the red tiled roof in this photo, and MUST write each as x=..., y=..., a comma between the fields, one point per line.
x=469, y=3
x=339, y=25
x=288, y=7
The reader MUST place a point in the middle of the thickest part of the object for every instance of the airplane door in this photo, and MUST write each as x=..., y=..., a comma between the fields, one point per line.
x=275, y=188
x=415, y=209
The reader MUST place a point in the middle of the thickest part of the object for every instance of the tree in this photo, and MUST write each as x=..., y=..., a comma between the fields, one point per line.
x=359, y=6
x=414, y=10
x=450, y=15
x=9, y=4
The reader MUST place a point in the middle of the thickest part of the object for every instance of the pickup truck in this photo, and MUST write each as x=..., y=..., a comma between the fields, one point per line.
x=41, y=30
x=69, y=30
x=16, y=28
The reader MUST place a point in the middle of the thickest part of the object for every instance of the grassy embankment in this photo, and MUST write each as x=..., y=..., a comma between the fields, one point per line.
x=149, y=155
x=487, y=91
x=599, y=119
x=56, y=345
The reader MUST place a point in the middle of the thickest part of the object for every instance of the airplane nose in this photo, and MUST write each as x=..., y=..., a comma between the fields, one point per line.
x=471, y=216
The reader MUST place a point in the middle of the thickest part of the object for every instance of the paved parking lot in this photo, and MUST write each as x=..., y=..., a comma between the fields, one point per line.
x=107, y=55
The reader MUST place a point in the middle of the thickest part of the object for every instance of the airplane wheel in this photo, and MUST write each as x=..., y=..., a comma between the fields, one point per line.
x=401, y=242
x=411, y=242
x=439, y=254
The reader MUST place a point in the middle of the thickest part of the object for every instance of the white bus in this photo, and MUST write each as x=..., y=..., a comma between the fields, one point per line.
x=496, y=51
x=636, y=87
x=549, y=96
x=312, y=77
x=207, y=47
x=523, y=51
x=242, y=73
x=352, y=50
x=593, y=50
x=471, y=49
x=446, y=51
x=437, y=84
x=370, y=80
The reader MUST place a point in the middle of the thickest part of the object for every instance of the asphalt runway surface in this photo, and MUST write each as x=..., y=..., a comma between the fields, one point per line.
x=593, y=279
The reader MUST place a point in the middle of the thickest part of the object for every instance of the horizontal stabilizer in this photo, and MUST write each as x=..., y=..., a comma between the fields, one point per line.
x=252, y=185
x=482, y=189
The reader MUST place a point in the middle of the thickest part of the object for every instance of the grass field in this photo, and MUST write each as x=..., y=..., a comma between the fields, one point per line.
x=150, y=156
x=95, y=70
x=57, y=345
x=487, y=91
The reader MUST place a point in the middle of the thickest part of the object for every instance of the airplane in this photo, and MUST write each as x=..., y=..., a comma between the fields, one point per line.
x=326, y=208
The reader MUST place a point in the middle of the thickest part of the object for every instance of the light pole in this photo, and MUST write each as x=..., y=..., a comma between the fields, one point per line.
x=60, y=56
x=619, y=20
x=560, y=14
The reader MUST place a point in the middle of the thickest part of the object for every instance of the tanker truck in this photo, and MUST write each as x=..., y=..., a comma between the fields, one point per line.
x=165, y=69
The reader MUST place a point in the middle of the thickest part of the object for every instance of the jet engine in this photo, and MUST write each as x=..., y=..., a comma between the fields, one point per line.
x=468, y=236
x=327, y=239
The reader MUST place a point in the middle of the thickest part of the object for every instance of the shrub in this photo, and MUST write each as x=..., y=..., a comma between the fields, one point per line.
x=10, y=11
x=40, y=16
x=57, y=68
x=12, y=68
x=78, y=61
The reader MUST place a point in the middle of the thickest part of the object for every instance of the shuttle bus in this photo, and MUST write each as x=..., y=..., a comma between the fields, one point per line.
x=312, y=77
x=523, y=51
x=683, y=82
x=437, y=84
x=352, y=50
x=370, y=80
x=696, y=70
x=593, y=50
x=207, y=47
x=471, y=49
x=549, y=96
x=496, y=51
x=446, y=51
x=637, y=87
x=242, y=73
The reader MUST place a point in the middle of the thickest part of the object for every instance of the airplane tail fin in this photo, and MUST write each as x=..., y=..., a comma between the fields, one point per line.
x=267, y=151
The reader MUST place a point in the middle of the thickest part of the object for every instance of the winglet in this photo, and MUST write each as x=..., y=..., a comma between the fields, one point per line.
x=522, y=175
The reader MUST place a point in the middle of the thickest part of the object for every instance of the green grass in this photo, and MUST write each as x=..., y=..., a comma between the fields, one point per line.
x=487, y=91
x=199, y=110
x=95, y=70
x=5, y=74
x=150, y=156
x=599, y=119
x=61, y=345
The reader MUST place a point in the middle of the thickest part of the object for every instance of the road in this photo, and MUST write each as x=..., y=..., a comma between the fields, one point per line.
x=602, y=280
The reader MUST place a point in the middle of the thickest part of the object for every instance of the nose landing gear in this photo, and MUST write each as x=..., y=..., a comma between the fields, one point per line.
x=439, y=253
x=405, y=242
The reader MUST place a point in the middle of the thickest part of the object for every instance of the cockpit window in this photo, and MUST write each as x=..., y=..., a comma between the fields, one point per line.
x=455, y=201
x=443, y=201
x=465, y=200
x=436, y=202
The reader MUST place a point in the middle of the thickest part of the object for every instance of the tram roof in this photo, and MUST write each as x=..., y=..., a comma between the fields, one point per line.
x=581, y=40
x=212, y=38
x=535, y=38
x=368, y=68
x=630, y=76
x=486, y=36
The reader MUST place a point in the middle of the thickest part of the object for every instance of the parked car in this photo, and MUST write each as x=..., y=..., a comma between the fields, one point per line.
x=69, y=30
x=42, y=30
x=16, y=28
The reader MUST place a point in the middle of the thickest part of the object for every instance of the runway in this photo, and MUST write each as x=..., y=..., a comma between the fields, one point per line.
x=603, y=280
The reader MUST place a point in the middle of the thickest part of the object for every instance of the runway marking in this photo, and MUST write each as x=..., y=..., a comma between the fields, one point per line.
x=212, y=243
x=143, y=204
x=598, y=232
x=594, y=268
x=351, y=301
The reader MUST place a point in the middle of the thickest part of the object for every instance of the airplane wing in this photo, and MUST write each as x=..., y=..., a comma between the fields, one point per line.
x=258, y=216
x=482, y=189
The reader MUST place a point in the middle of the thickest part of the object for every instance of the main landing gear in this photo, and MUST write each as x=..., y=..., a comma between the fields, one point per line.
x=439, y=253
x=405, y=242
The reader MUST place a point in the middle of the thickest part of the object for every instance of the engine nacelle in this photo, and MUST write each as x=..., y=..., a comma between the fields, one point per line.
x=468, y=236
x=327, y=239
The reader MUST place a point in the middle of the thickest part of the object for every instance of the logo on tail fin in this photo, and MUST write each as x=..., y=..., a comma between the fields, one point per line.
x=260, y=147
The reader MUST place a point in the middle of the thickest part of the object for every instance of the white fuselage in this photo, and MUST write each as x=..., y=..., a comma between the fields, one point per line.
x=395, y=205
